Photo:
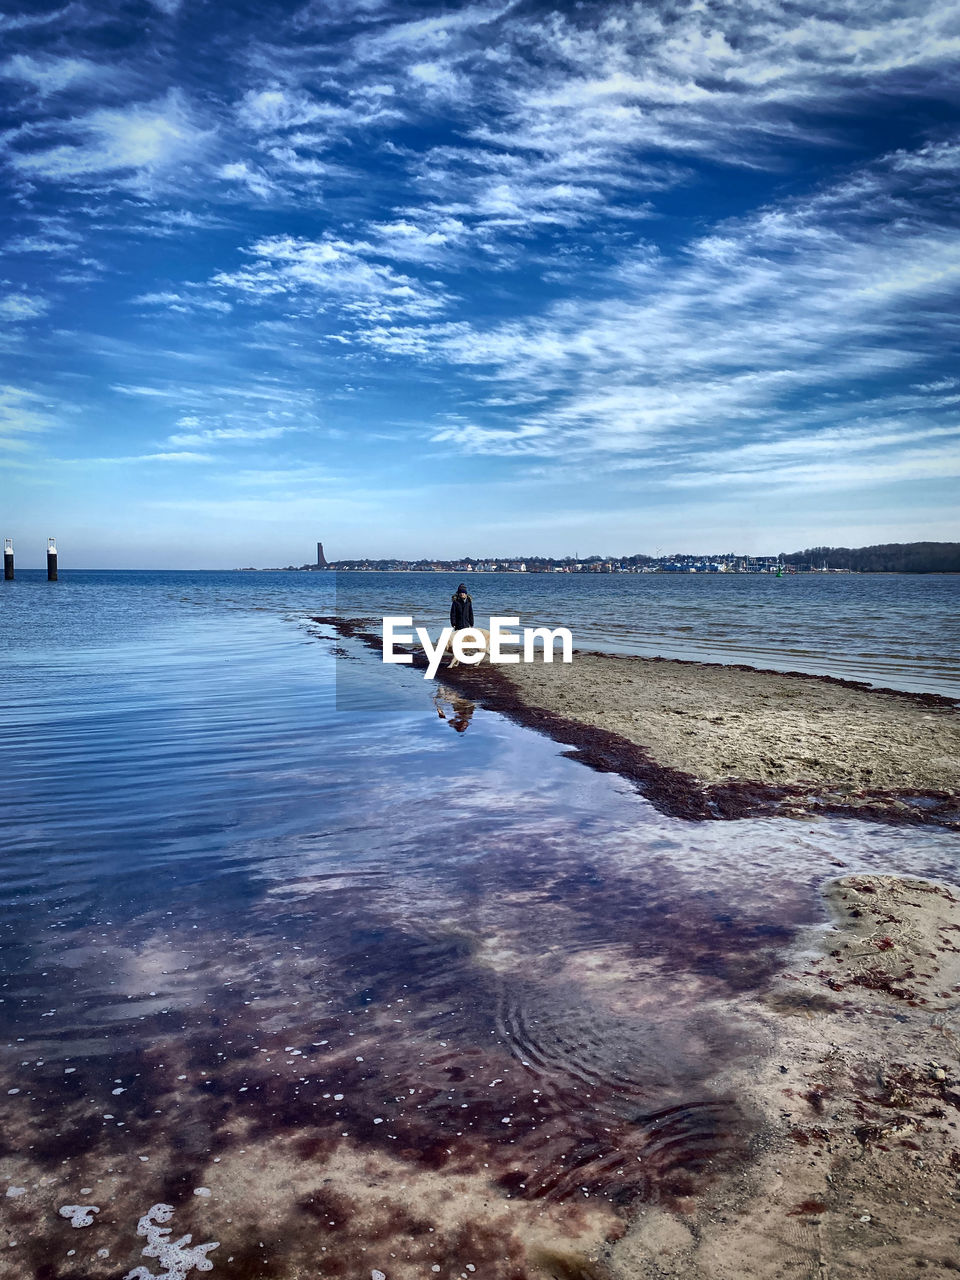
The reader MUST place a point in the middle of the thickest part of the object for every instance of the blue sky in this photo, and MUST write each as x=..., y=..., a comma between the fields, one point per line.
x=486, y=278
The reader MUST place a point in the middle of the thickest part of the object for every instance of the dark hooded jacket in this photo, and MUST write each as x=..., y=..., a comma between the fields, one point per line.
x=461, y=612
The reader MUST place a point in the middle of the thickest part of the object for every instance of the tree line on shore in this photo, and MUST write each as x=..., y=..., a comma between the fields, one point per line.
x=885, y=557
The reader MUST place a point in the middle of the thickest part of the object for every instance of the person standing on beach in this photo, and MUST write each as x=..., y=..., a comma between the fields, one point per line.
x=461, y=609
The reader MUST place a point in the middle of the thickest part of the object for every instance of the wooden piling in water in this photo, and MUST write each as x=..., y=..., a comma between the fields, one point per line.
x=8, y=559
x=51, y=560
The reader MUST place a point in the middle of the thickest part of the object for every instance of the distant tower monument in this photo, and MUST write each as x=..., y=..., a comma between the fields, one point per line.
x=321, y=558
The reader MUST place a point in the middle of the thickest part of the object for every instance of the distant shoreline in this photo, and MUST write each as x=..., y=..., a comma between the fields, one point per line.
x=648, y=573
x=489, y=573
x=653, y=573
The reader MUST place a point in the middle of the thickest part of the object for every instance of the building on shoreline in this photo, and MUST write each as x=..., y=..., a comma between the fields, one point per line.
x=887, y=557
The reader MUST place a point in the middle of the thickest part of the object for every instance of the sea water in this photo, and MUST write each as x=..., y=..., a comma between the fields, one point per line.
x=895, y=630
x=386, y=989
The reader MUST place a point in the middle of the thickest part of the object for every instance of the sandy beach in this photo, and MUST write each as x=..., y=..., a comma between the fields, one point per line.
x=724, y=724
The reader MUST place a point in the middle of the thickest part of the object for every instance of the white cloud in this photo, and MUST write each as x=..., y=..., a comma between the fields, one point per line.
x=831, y=457
x=941, y=384
x=160, y=455
x=169, y=456
x=18, y=307
x=565, y=108
x=469, y=437
x=820, y=475
x=159, y=393
x=570, y=114
x=181, y=303
x=171, y=222
x=253, y=179
x=504, y=194
x=421, y=36
x=324, y=12
x=216, y=435
x=430, y=240
x=933, y=157
x=139, y=142
x=52, y=17
x=305, y=121
x=289, y=161
x=39, y=244
x=341, y=271
x=437, y=79
x=723, y=79
x=209, y=417
x=52, y=75
x=278, y=108
x=22, y=413
x=158, y=299
x=766, y=327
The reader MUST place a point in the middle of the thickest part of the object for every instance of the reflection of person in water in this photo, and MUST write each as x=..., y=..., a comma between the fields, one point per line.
x=461, y=709
x=461, y=609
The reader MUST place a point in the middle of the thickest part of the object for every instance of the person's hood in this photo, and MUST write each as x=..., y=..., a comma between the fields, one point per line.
x=456, y=596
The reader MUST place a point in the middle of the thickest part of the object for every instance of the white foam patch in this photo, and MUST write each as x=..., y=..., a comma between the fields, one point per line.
x=80, y=1215
x=173, y=1255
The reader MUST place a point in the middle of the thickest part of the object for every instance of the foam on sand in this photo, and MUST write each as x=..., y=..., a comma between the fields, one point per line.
x=173, y=1255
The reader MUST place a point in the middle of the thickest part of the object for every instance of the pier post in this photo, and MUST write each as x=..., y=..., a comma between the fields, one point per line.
x=51, y=560
x=8, y=559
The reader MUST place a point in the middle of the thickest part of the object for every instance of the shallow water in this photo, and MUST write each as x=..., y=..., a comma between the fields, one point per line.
x=399, y=990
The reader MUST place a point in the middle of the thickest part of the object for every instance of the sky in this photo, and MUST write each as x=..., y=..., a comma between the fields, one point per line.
x=478, y=278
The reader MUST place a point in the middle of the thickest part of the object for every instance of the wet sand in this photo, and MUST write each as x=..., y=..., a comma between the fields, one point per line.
x=857, y=1162
x=501, y=1093
x=749, y=742
x=727, y=724
x=481, y=1077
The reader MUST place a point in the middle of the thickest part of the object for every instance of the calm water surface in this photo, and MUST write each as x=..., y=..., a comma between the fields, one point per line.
x=891, y=630
x=392, y=990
